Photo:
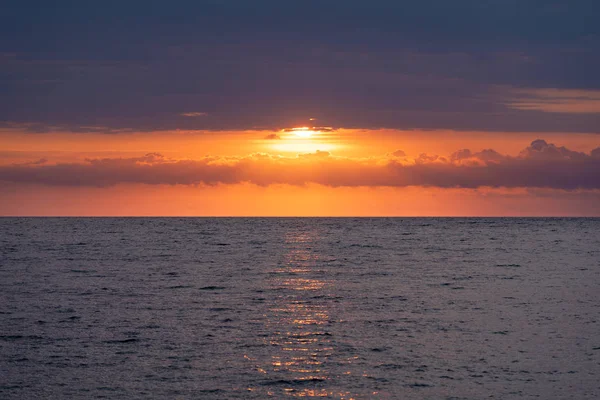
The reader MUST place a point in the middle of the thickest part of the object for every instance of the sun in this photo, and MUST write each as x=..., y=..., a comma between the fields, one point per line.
x=303, y=132
x=302, y=139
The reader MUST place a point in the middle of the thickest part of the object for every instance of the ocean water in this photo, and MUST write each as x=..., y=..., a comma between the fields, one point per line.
x=126, y=308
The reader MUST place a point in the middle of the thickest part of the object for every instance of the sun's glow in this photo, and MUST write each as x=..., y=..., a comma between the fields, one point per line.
x=303, y=132
x=300, y=146
x=304, y=139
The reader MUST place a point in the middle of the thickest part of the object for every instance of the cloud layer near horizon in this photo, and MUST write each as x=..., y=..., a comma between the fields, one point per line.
x=540, y=165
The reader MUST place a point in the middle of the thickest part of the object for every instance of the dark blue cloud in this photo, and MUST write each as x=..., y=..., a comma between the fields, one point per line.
x=427, y=64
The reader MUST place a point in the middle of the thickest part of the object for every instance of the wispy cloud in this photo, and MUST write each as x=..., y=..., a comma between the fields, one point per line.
x=313, y=128
x=36, y=127
x=194, y=114
x=557, y=101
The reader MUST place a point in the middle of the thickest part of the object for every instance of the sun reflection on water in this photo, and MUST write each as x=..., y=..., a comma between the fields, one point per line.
x=299, y=323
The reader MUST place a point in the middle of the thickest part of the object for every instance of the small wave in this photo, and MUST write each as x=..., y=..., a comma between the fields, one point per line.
x=10, y=387
x=378, y=349
x=258, y=242
x=390, y=366
x=419, y=385
x=301, y=381
x=366, y=246
x=130, y=340
x=9, y=338
x=71, y=319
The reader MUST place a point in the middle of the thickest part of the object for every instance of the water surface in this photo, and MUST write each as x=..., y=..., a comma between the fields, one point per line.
x=207, y=308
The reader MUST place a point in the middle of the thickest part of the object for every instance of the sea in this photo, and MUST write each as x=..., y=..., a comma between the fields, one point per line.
x=344, y=308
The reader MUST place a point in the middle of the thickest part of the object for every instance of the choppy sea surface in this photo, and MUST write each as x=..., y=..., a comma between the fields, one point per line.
x=221, y=308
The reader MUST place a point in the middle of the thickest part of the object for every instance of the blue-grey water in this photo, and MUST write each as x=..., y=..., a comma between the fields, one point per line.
x=126, y=308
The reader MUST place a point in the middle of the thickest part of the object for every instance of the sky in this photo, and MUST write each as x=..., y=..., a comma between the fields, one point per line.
x=300, y=108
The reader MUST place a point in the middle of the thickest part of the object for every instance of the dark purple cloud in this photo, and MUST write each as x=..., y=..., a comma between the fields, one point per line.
x=398, y=153
x=541, y=165
x=430, y=64
x=273, y=136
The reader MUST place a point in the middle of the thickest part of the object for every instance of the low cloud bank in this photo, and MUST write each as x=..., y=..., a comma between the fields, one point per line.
x=540, y=165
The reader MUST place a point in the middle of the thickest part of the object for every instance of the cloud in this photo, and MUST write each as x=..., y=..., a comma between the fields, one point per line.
x=483, y=157
x=194, y=114
x=272, y=136
x=36, y=162
x=567, y=101
x=398, y=153
x=403, y=65
x=36, y=127
x=314, y=128
x=324, y=128
x=541, y=150
x=540, y=165
x=316, y=154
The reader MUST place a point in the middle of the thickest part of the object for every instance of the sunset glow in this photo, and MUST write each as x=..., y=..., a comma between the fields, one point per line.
x=303, y=132
x=383, y=122
x=335, y=172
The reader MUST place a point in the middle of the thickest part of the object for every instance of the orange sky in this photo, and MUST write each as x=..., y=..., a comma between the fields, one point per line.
x=343, y=142
x=346, y=155
x=282, y=200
